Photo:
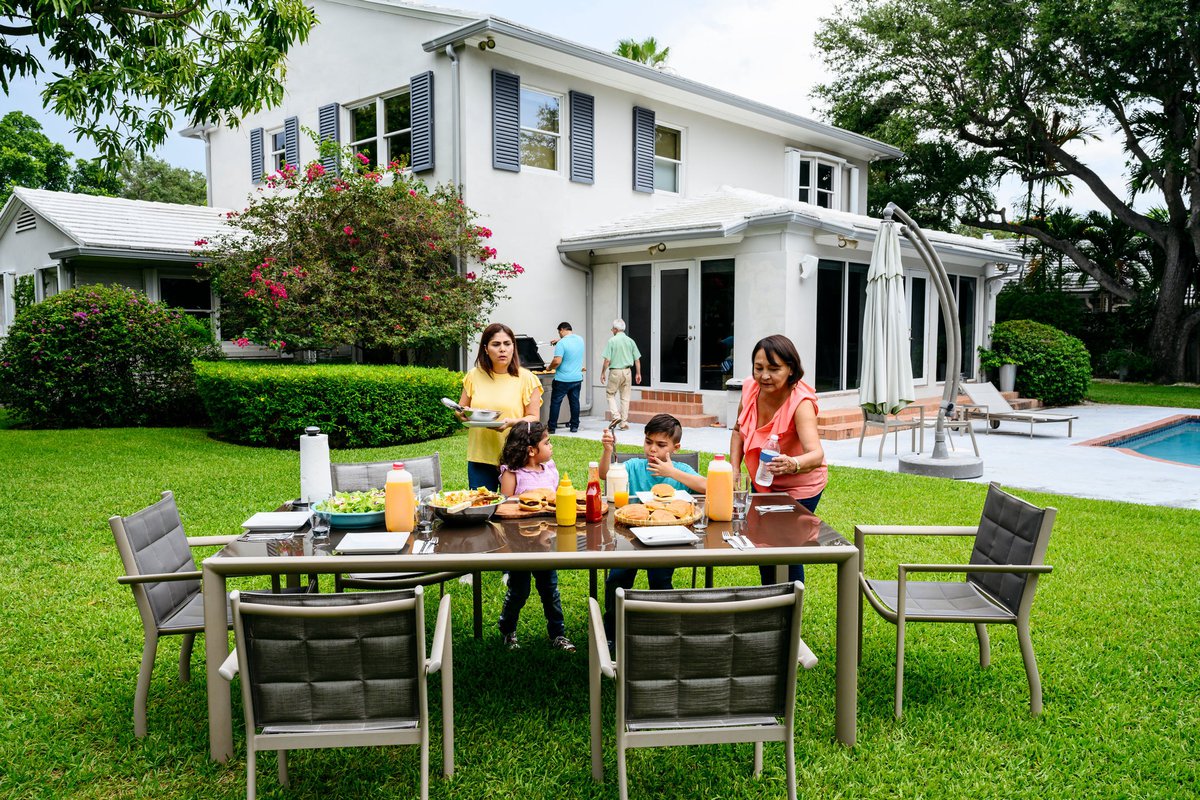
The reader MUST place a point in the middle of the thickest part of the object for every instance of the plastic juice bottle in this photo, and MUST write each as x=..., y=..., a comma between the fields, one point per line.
x=618, y=485
x=399, y=500
x=720, y=489
x=593, y=501
x=564, y=502
x=764, y=476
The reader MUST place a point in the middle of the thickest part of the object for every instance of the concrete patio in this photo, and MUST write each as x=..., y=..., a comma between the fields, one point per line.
x=1049, y=462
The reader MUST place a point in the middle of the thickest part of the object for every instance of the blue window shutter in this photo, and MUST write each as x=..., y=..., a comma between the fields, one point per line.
x=329, y=122
x=583, y=137
x=643, y=149
x=291, y=141
x=256, y=155
x=421, y=115
x=506, y=121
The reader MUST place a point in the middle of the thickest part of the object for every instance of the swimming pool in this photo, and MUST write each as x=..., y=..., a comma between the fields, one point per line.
x=1174, y=439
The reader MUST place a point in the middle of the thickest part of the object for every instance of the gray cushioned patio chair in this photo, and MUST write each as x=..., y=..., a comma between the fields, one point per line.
x=361, y=476
x=339, y=670
x=693, y=461
x=987, y=403
x=1001, y=578
x=700, y=666
x=160, y=569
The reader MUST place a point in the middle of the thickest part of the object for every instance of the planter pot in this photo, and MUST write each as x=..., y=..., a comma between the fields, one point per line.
x=1008, y=377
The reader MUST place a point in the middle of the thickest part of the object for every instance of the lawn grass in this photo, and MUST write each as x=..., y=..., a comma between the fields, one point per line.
x=1145, y=394
x=1114, y=626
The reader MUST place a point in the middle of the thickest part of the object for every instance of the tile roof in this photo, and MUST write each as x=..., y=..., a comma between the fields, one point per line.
x=119, y=224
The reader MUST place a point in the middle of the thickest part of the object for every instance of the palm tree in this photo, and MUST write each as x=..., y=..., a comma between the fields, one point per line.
x=645, y=52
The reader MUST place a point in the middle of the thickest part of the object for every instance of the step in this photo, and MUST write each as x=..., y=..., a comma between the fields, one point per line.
x=686, y=420
x=666, y=406
x=669, y=396
x=838, y=431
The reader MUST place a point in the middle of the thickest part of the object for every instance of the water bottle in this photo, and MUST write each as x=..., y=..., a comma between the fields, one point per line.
x=764, y=477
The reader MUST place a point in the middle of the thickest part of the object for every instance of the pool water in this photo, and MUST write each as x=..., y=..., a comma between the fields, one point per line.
x=1179, y=441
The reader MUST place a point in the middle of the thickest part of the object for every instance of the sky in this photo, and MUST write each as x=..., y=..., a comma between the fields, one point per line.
x=761, y=49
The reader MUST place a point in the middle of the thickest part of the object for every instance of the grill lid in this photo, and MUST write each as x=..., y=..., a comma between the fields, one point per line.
x=527, y=352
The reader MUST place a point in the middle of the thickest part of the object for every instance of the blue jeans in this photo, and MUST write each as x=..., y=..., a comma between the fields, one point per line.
x=657, y=578
x=559, y=390
x=518, y=593
x=795, y=571
x=485, y=476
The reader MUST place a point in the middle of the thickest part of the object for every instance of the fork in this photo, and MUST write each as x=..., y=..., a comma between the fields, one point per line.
x=612, y=426
x=733, y=541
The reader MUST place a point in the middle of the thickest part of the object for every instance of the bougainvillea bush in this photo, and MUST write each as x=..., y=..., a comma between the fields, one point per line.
x=365, y=255
x=103, y=356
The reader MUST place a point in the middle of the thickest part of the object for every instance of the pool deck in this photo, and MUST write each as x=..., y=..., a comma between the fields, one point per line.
x=1049, y=462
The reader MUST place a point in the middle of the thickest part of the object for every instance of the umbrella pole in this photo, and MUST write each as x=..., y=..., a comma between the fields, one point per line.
x=960, y=468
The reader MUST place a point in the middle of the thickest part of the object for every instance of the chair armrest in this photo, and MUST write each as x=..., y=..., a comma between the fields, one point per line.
x=598, y=641
x=808, y=658
x=441, y=635
x=161, y=577
x=863, y=531
x=1036, y=569
x=229, y=667
x=209, y=541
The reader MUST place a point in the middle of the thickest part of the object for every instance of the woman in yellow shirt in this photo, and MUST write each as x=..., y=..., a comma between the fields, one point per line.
x=497, y=382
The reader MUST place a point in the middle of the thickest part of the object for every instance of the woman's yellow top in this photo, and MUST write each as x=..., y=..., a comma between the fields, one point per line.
x=501, y=392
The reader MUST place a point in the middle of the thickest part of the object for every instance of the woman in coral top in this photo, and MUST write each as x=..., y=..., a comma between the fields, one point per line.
x=777, y=402
x=497, y=382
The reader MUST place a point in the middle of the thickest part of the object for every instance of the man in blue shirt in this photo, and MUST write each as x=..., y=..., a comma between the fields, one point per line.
x=568, y=375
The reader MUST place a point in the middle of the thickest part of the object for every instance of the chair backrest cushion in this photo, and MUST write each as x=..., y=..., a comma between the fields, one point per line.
x=688, y=666
x=1009, y=532
x=156, y=544
x=362, y=476
x=691, y=459
x=985, y=393
x=336, y=669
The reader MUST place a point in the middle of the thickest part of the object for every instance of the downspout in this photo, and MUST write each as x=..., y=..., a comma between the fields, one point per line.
x=208, y=183
x=456, y=121
x=588, y=349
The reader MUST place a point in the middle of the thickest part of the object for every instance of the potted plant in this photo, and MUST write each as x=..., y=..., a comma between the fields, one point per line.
x=1000, y=364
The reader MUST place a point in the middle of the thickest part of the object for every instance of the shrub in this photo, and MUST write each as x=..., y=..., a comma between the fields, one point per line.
x=358, y=406
x=1052, y=365
x=103, y=356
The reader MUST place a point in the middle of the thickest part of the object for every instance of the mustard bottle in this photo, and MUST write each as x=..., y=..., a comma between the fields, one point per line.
x=564, y=502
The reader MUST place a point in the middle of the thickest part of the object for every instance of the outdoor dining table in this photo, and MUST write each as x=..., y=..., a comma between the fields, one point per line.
x=779, y=538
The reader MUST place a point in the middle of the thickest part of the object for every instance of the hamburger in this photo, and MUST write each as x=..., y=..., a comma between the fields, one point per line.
x=636, y=512
x=532, y=500
x=663, y=491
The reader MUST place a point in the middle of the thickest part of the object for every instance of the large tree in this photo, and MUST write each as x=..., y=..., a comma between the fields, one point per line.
x=28, y=158
x=122, y=70
x=152, y=178
x=1020, y=82
x=644, y=52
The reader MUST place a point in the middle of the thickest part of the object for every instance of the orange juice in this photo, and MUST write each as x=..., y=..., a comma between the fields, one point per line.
x=399, y=500
x=621, y=498
x=720, y=489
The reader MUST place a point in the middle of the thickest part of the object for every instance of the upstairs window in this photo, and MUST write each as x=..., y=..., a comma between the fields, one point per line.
x=668, y=158
x=816, y=178
x=541, y=129
x=382, y=129
x=277, y=155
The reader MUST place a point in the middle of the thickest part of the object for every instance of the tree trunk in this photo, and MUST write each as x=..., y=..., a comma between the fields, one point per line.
x=1167, y=344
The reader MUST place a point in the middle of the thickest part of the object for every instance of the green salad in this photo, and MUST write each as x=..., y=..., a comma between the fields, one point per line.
x=353, y=502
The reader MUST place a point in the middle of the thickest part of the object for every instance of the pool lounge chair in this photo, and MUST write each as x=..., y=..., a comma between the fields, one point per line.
x=987, y=403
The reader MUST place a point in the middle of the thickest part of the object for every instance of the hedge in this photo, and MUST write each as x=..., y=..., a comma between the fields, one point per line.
x=358, y=406
x=1051, y=365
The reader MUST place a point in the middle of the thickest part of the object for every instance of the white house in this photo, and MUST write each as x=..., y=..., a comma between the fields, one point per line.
x=701, y=217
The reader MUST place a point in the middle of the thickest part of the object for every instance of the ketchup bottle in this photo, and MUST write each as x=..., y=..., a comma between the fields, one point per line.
x=593, y=508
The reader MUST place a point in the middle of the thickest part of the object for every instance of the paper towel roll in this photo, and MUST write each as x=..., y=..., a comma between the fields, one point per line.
x=315, y=481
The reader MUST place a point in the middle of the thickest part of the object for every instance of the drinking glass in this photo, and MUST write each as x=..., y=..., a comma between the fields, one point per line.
x=320, y=528
x=620, y=498
x=425, y=512
x=741, y=496
x=701, y=513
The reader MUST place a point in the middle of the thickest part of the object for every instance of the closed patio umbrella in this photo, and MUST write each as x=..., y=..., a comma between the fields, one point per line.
x=886, y=384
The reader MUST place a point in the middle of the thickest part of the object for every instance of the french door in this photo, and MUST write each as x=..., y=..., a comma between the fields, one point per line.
x=660, y=305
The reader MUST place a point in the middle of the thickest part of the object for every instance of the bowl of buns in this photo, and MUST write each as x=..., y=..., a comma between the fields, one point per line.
x=663, y=510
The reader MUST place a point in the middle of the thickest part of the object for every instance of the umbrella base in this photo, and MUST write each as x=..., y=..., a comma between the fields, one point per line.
x=959, y=467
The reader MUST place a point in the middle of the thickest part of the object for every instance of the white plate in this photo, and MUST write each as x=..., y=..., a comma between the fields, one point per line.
x=496, y=423
x=369, y=543
x=648, y=497
x=664, y=534
x=277, y=520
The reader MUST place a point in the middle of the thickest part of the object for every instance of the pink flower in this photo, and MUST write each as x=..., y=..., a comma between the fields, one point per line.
x=241, y=341
x=201, y=242
x=488, y=252
x=249, y=293
x=362, y=158
x=412, y=192
x=348, y=230
x=517, y=268
x=483, y=232
x=425, y=297
x=374, y=177
x=470, y=276
x=354, y=268
x=315, y=170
